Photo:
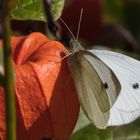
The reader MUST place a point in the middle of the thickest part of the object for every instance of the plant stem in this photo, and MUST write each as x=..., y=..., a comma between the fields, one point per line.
x=8, y=74
x=52, y=26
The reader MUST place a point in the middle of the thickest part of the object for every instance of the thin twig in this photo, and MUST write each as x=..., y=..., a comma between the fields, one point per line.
x=8, y=74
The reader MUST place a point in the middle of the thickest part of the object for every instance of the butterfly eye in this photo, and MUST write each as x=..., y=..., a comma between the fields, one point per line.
x=136, y=86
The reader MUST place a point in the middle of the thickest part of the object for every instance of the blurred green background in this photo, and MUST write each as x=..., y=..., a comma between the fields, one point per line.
x=84, y=130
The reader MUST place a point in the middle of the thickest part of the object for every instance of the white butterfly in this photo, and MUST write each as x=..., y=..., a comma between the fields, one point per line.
x=96, y=84
x=107, y=83
x=99, y=77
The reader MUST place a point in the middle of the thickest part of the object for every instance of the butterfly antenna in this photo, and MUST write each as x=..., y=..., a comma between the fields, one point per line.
x=65, y=25
x=67, y=28
x=79, y=25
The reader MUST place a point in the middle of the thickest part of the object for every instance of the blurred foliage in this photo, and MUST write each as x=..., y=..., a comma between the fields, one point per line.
x=84, y=130
x=126, y=12
x=33, y=10
x=132, y=15
x=113, y=10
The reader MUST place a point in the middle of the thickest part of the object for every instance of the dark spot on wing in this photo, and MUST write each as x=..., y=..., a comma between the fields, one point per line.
x=135, y=86
x=105, y=85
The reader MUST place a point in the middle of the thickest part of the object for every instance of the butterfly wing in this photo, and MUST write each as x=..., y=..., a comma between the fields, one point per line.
x=91, y=77
x=119, y=117
x=127, y=70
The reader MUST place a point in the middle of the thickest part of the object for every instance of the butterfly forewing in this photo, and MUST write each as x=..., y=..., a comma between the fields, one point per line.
x=93, y=94
x=109, y=81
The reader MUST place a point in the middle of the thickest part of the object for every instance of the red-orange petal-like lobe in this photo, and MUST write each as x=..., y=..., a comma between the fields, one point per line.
x=46, y=99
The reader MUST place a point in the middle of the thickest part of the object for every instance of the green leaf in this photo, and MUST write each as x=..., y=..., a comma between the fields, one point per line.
x=33, y=10
x=84, y=130
x=128, y=132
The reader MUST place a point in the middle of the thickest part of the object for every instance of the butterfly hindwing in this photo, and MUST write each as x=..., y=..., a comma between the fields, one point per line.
x=119, y=117
x=107, y=76
x=127, y=70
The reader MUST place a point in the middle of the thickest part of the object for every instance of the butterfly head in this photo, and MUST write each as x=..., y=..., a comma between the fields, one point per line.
x=76, y=46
